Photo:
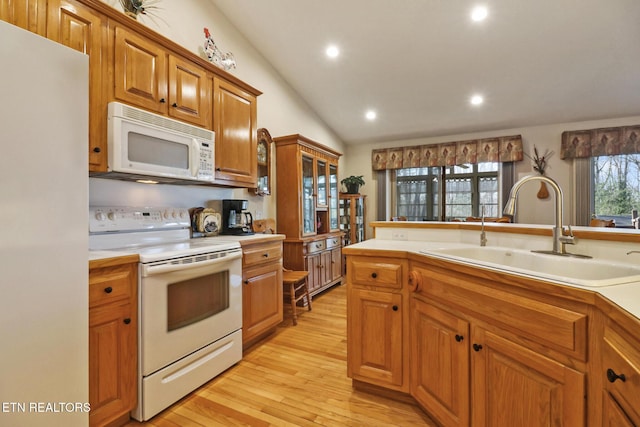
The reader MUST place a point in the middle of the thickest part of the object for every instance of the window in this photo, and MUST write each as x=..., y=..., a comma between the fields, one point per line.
x=615, y=187
x=467, y=188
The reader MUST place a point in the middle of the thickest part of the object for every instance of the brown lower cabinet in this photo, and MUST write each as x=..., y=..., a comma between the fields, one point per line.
x=478, y=349
x=262, y=288
x=113, y=339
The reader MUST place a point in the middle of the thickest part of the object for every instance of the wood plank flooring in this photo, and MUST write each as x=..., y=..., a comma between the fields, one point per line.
x=296, y=377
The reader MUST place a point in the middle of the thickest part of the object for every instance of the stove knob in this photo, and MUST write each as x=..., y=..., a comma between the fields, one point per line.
x=100, y=216
x=183, y=214
x=174, y=214
x=166, y=215
x=111, y=216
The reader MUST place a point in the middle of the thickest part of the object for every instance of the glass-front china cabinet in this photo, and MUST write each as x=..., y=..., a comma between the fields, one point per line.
x=309, y=220
x=352, y=217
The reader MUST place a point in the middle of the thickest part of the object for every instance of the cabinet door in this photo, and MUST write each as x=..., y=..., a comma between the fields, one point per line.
x=308, y=197
x=30, y=15
x=374, y=337
x=112, y=362
x=613, y=415
x=334, y=197
x=440, y=363
x=189, y=92
x=322, y=183
x=261, y=300
x=314, y=267
x=515, y=386
x=140, y=71
x=234, y=116
x=79, y=27
x=336, y=263
x=326, y=267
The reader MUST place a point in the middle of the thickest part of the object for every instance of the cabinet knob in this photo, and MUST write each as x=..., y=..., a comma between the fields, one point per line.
x=415, y=281
x=96, y=149
x=218, y=169
x=162, y=101
x=477, y=347
x=246, y=282
x=127, y=321
x=612, y=376
x=459, y=337
x=108, y=290
x=265, y=255
x=394, y=308
x=174, y=105
x=374, y=275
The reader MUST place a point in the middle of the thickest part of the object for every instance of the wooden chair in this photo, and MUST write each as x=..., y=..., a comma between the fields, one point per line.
x=296, y=284
x=595, y=222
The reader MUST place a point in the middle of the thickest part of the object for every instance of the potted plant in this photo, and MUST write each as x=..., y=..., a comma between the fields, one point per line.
x=353, y=183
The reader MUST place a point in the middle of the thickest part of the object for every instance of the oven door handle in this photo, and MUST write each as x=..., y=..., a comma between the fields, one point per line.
x=151, y=270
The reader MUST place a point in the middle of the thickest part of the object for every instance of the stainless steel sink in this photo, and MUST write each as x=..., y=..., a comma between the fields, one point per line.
x=576, y=271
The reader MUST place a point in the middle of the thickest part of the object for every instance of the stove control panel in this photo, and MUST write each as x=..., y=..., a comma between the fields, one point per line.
x=121, y=218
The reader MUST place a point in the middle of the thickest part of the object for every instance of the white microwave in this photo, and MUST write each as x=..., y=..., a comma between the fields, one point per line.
x=144, y=143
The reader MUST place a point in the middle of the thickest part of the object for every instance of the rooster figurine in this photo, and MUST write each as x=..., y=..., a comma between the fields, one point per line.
x=226, y=61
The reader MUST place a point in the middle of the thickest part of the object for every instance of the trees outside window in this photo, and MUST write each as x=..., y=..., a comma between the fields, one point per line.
x=616, y=187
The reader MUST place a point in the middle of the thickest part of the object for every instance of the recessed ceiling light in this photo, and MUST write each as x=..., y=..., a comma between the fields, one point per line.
x=370, y=115
x=332, y=51
x=479, y=13
x=477, y=100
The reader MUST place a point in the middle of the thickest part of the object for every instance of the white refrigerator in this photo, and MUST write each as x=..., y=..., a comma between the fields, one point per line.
x=43, y=232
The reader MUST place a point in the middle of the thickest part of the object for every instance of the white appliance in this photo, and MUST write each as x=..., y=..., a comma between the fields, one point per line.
x=43, y=232
x=190, y=299
x=143, y=144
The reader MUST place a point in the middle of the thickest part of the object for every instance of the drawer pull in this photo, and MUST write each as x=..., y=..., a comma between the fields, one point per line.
x=265, y=255
x=477, y=347
x=318, y=245
x=246, y=282
x=374, y=275
x=108, y=290
x=459, y=337
x=127, y=321
x=612, y=376
x=394, y=308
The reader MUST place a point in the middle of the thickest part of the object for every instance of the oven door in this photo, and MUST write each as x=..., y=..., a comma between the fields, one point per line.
x=185, y=307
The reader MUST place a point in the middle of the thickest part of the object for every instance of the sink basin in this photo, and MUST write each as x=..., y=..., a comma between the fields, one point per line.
x=576, y=271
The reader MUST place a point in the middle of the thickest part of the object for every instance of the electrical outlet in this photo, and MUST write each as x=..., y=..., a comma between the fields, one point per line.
x=398, y=235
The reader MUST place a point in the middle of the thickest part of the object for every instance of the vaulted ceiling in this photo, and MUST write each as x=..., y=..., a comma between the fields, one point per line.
x=418, y=62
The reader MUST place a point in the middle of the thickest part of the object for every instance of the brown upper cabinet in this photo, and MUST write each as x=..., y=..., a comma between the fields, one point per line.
x=235, y=119
x=28, y=14
x=145, y=75
x=131, y=63
x=81, y=28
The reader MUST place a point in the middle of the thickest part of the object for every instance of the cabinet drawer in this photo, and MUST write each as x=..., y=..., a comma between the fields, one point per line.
x=559, y=328
x=260, y=254
x=109, y=285
x=384, y=273
x=333, y=242
x=620, y=358
x=317, y=246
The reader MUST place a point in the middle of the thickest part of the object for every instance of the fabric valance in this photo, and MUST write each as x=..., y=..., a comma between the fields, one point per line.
x=499, y=149
x=600, y=142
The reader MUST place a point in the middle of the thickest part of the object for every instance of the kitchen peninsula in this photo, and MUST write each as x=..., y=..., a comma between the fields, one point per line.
x=476, y=344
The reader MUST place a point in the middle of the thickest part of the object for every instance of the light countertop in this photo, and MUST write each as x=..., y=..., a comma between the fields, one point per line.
x=626, y=296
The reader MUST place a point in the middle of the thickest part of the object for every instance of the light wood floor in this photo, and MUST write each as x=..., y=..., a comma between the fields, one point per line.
x=296, y=377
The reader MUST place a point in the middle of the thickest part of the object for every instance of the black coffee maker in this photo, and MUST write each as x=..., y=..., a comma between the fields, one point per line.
x=236, y=220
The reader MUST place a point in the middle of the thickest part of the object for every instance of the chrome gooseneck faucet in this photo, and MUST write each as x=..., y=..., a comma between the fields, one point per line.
x=559, y=240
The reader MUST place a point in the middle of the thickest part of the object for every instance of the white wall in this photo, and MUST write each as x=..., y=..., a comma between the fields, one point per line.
x=530, y=209
x=280, y=108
